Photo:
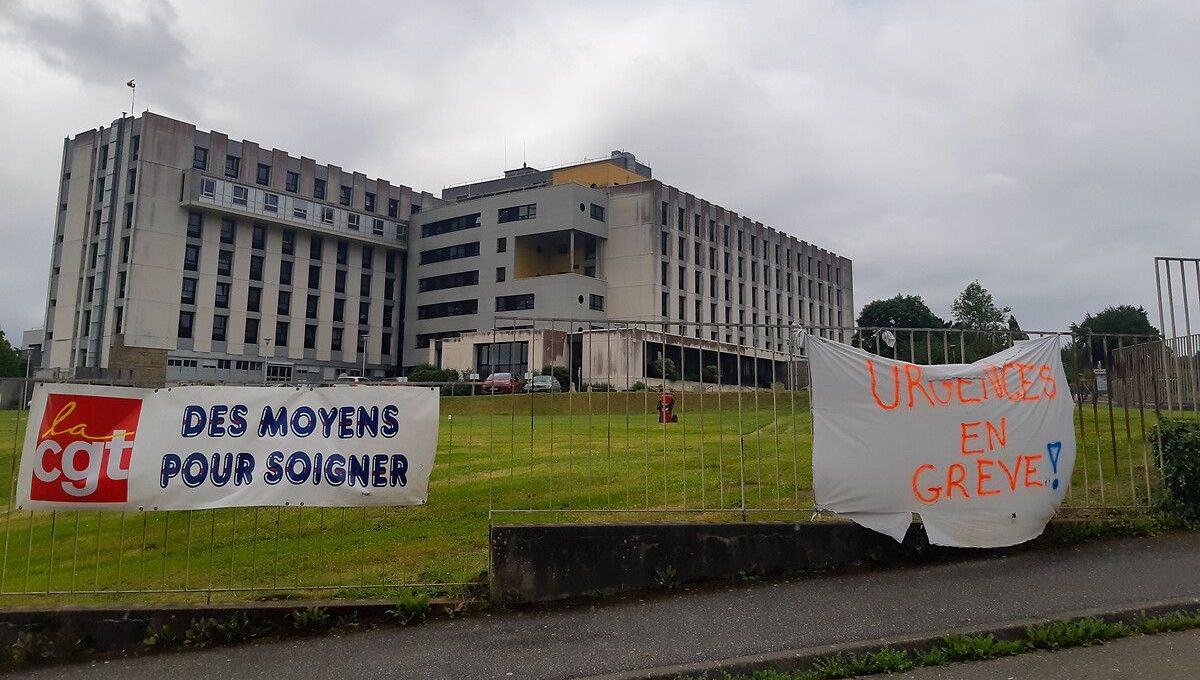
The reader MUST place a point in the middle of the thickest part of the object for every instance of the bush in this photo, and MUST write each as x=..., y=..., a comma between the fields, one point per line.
x=638, y=386
x=663, y=367
x=560, y=373
x=1177, y=444
x=712, y=374
x=601, y=387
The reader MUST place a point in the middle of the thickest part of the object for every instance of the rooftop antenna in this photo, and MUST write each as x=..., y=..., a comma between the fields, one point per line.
x=132, y=96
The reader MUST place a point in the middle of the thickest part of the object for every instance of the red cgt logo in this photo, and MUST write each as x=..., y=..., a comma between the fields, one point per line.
x=83, y=449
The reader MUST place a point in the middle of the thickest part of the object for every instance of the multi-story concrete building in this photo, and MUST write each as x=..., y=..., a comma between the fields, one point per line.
x=183, y=255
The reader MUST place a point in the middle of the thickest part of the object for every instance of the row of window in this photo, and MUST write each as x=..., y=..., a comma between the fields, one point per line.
x=824, y=270
x=262, y=177
x=816, y=289
x=220, y=328
x=187, y=296
x=240, y=196
x=816, y=313
x=223, y=364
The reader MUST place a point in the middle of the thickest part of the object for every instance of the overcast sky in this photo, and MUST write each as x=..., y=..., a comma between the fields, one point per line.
x=1049, y=149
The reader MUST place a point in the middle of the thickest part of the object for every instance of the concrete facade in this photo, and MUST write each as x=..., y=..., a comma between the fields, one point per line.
x=184, y=255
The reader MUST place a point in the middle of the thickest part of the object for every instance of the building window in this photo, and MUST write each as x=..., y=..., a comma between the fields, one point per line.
x=208, y=187
x=263, y=174
x=270, y=202
x=515, y=213
x=228, y=228
x=256, y=267
x=682, y=252
x=368, y=257
x=665, y=303
x=191, y=257
x=596, y=302
x=339, y=309
x=292, y=181
x=326, y=214
x=444, y=281
x=499, y=274
x=185, y=324
x=352, y=221
x=314, y=276
x=281, y=333
x=124, y=249
x=195, y=224
x=346, y=195
x=258, y=237
x=200, y=158
x=364, y=284
x=682, y=278
x=369, y=202
x=450, y=225
x=393, y=208
x=241, y=195
x=450, y=253
x=284, y=304
x=335, y=341
x=131, y=180
x=285, y=272
x=315, y=244
x=665, y=209
x=222, y=297
x=387, y=315
x=664, y=274
x=389, y=262
x=389, y=285
x=443, y=309
x=187, y=295
x=597, y=212
x=343, y=252
x=501, y=245
x=364, y=312
x=225, y=263
x=253, y=299
x=339, y=281
x=232, y=165
x=512, y=303
x=310, y=309
x=220, y=323
x=319, y=189
x=251, y=337
x=310, y=336
x=288, y=244
x=682, y=308
x=501, y=357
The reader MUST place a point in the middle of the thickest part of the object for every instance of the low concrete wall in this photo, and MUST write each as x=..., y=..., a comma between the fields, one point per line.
x=550, y=562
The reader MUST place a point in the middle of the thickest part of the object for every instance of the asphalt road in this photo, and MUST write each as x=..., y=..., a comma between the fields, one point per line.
x=1174, y=656
x=740, y=620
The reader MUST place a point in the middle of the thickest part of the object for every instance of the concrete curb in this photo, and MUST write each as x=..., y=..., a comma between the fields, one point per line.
x=801, y=659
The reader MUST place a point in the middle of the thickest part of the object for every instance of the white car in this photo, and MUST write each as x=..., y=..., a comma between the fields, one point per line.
x=347, y=379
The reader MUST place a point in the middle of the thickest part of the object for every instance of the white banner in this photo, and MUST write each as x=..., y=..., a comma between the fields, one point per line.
x=183, y=448
x=983, y=452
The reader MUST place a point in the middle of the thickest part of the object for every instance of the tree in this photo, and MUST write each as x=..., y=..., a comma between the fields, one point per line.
x=1090, y=334
x=11, y=363
x=975, y=309
x=902, y=311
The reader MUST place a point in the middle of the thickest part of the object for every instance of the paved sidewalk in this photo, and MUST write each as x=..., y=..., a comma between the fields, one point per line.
x=735, y=621
x=1172, y=656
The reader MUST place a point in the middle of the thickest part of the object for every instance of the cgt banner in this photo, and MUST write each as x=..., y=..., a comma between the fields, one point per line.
x=185, y=448
x=983, y=451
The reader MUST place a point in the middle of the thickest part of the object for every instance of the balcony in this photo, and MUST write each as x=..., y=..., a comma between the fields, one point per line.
x=209, y=192
x=557, y=252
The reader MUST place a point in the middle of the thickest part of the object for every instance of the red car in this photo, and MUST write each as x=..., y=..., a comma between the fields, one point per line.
x=501, y=383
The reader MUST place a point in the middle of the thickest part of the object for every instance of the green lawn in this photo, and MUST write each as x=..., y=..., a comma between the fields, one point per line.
x=598, y=453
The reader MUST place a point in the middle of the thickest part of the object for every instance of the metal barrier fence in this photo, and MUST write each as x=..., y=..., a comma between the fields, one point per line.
x=591, y=449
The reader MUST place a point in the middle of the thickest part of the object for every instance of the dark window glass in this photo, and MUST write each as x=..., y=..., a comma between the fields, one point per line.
x=387, y=315
x=284, y=306
x=185, y=324
x=364, y=312
x=310, y=336
x=228, y=230
x=191, y=257
x=343, y=250
x=314, y=276
x=288, y=244
x=517, y=212
x=390, y=262
x=199, y=159
x=454, y=280
x=258, y=237
x=393, y=207
x=449, y=225
x=389, y=287
x=310, y=309
x=596, y=302
x=597, y=212
x=335, y=340
x=500, y=274
x=285, y=272
x=368, y=257
x=319, y=189
x=253, y=299
x=225, y=263
x=292, y=181
x=256, y=267
x=251, y=337
x=387, y=344
x=339, y=281
x=195, y=224
x=369, y=201
x=232, y=165
x=441, y=309
x=509, y=303
x=501, y=245
x=364, y=287
x=449, y=253
x=281, y=333
x=339, y=309
x=346, y=195
x=187, y=295
x=220, y=323
x=314, y=247
x=222, y=297
x=263, y=174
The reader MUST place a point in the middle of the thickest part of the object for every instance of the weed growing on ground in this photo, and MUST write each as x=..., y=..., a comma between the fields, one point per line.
x=666, y=577
x=311, y=620
x=411, y=607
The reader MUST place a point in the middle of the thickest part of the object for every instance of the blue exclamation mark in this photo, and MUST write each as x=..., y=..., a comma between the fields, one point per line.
x=1054, y=450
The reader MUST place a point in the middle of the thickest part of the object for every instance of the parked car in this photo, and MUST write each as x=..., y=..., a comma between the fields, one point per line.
x=543, y=383
x=347, y=379
x=501, y=383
